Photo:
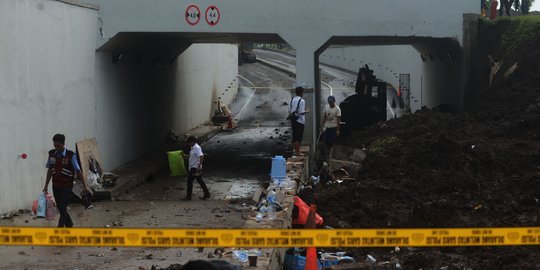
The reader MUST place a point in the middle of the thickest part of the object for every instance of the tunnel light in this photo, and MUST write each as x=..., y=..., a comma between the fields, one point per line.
x=116, y=57
x=440, y=56
x=450, y=57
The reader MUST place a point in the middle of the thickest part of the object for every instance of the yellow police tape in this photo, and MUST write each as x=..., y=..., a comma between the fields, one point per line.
x=269, y=238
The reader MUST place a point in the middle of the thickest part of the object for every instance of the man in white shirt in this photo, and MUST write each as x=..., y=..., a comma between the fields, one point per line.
x=331, y=121
x=298, y=105
x=196, y=158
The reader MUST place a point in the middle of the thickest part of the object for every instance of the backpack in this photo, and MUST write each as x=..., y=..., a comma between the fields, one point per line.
x=293, y=116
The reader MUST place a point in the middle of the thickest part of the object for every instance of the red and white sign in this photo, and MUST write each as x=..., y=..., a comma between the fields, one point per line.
x=193, y=14
x=212, y=15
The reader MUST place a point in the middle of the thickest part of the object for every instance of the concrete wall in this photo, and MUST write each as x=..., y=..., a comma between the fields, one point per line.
x=46, y=87
x=384, y=61
x=304, y=24
x=53, y=81
x=207, y=72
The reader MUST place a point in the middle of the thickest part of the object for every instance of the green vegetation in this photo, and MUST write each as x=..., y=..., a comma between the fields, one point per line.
x=518, y=30
x=380, y=144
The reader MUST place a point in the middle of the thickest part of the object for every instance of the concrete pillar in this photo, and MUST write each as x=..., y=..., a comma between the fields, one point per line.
x=305, y=76
x=306, y=65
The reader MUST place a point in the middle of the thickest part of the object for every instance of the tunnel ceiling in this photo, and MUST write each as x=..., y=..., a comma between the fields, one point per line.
x=342, y=41
x=176, y=43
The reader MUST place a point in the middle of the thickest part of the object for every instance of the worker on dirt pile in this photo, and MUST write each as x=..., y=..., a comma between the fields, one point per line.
x=196, y=158
x=62, y=166
x=331, y=121
x=297, y=116
x=329, y=131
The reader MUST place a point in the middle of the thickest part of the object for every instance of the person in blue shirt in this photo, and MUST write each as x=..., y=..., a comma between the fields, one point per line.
x=62, y=166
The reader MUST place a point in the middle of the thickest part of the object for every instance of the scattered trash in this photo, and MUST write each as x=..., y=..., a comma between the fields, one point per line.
x=219, y=252
x=114, y=249
x=397, y=249
x=315, y=179
x=22, y=253
x=370, y=259
x=240, y=255
x=259, y=217
x=252, y=257
x=96, y=254
x=148, y=257
x=210, y=255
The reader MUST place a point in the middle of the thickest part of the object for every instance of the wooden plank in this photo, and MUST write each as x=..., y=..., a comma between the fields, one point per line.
x=86, y=149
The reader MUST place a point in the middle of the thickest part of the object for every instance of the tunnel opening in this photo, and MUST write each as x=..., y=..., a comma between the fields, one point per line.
x=141, y=73
x=416, y=72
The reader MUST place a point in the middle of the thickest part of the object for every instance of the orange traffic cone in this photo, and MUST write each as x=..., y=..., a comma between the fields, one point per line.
x=311, y=254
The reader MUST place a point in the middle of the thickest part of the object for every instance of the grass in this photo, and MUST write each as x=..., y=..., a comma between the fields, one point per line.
x=518, y=30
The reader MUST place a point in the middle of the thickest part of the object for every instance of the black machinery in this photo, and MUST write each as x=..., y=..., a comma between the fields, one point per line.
x=367, y=106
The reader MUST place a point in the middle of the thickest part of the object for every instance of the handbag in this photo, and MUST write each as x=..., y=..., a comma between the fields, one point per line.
x=293, y=116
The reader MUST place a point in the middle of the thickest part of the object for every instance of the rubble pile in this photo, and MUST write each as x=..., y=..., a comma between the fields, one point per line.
x=479, y=168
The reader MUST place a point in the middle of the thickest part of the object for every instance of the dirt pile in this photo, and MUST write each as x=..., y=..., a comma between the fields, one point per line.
x=480, y=168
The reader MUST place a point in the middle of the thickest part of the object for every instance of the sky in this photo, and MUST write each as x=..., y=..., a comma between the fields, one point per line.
x=536, y=5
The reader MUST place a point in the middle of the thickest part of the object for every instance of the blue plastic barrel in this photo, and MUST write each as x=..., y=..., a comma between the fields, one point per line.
x=278, y=170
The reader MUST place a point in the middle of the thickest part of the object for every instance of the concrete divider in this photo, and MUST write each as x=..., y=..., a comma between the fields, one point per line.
x=136, y=172
x=273, y=258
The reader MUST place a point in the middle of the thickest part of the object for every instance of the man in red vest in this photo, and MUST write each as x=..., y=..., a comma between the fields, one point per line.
x=62, y=166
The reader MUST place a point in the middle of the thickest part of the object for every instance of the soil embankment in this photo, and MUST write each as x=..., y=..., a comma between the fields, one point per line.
x=479, y=168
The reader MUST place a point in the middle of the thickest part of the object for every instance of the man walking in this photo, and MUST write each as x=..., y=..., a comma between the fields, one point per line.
x=297, y=112
x=196, y=158
x=62, y=166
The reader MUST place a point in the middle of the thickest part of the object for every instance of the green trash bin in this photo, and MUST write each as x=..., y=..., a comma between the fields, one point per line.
x=176, y=163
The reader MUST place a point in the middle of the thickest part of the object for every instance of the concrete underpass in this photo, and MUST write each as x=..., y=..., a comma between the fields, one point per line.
x=128, y=72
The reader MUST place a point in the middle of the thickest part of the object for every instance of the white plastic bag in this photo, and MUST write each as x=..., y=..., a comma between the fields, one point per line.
x=42, y=205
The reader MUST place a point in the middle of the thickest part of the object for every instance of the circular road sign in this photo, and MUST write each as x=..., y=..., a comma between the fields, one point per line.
x=212, y=15
x=193, y=14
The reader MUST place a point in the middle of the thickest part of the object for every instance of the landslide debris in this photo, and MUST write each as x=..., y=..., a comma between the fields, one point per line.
x=479, y=168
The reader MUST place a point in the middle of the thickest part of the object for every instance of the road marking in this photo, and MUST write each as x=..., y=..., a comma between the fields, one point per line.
x=245, y=105
x=331, y=89
x=244, y=78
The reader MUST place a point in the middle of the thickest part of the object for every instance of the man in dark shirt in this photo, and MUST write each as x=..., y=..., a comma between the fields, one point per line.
x=62, y=166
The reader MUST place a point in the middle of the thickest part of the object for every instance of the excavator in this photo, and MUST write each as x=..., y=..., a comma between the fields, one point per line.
x=367, y=106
